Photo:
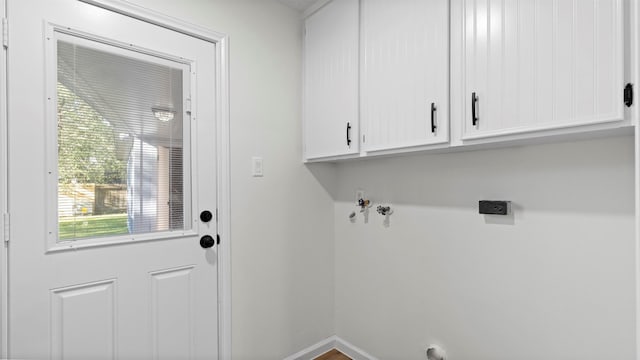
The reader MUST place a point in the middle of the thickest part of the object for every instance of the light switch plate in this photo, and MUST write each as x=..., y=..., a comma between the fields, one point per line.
x=256, y=166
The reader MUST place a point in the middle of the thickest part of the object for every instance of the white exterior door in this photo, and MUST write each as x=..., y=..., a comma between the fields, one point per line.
x=112, y=162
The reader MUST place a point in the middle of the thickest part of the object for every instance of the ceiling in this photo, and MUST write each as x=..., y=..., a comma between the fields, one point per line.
x=298, y=4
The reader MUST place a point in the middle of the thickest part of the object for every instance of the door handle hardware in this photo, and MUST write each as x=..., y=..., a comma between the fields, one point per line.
x=628, y=95
x=433, y=118
x=206, y=216
x=349, y=134
x=207, y=241
x=474, y=114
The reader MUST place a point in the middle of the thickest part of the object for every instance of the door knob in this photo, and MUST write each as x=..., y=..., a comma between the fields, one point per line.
x=206, y=216
x=207, y=241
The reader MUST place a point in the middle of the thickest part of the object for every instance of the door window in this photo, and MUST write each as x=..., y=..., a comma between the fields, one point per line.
x=123, y=155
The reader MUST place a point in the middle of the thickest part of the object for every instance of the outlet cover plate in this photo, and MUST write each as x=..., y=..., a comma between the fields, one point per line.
x=493, y=207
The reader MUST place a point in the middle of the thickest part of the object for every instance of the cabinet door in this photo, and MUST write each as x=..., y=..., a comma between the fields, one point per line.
x=541, y=65
x=405, y=72
x=331, y=59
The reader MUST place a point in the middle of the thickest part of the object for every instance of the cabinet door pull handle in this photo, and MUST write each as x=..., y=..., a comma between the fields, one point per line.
x=349, y=134
x=474, y=115
x=433, y=118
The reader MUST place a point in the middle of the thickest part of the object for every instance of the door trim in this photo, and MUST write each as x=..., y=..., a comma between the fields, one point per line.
x=634, y=41
x=222, y=161
x=4, y=191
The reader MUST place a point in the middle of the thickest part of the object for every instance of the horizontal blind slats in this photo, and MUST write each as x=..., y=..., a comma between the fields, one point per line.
x=120, y=167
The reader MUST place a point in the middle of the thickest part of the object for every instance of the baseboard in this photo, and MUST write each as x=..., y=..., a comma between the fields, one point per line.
x=314, y=350
x=330, y=343
x=352, y=351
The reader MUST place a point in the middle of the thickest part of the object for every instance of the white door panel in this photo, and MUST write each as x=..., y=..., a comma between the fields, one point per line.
x=130, y=297
x=73, y=335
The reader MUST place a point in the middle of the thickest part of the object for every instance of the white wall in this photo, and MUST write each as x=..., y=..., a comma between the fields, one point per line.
x=282, y=224
x=559, y=275
x=554, y=281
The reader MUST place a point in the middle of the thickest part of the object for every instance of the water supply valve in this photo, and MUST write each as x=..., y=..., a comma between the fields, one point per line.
x=364, y=204
x=384, y=210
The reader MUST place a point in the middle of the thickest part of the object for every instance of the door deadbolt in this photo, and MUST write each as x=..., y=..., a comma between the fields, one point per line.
x=206, y=216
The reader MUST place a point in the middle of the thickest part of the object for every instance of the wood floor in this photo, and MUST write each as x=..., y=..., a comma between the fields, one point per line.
x=333, y=355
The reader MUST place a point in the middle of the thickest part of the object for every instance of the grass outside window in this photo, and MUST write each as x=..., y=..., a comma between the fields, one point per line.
x=90, y=226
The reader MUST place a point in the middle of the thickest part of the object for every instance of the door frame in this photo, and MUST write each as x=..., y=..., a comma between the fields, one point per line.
x=4, y=189
x=634, y=77
x=222, y=161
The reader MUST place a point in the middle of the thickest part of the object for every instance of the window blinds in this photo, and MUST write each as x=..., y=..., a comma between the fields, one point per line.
x=122, y=141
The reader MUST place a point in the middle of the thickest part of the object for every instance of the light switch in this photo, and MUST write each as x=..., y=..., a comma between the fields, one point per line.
x=256, y=166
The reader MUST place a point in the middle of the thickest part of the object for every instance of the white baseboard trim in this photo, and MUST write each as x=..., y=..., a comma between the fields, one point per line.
x=330, y=343
x=352, y=351
x=314, y=350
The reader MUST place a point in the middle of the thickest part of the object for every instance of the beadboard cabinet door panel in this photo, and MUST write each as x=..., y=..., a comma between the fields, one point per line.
x=405, y=73
x=331, y=58
x=535, y=65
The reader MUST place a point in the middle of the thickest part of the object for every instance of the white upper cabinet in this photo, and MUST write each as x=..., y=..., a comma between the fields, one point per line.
x=391, y=76
x=541, y=65
x=331, y=76
x=405, y=73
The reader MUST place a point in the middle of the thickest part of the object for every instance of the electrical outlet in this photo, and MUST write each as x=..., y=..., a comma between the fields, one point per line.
x=359, y=195
x=493, y=207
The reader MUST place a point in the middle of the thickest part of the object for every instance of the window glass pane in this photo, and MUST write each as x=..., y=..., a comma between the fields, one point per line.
x=121, y=136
